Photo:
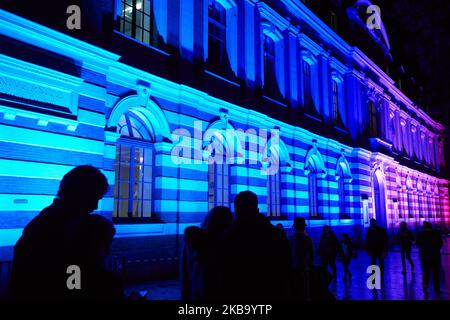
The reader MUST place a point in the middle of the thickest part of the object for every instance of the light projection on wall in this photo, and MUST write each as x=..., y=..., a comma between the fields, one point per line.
x=132, y=123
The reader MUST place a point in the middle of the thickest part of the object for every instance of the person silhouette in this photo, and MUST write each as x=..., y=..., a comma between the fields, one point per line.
x=406, y=240
x=46, y=247
x=328, y=249
x=201, y=265
x=92, y=246
x=256, y=255
x=346, y=248
x=430, y=244
x=376, y=243
x=302, y=255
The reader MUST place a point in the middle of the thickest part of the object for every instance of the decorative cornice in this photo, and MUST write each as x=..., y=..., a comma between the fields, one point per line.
x=268, y=13
x=309, y=44
x=338, y=66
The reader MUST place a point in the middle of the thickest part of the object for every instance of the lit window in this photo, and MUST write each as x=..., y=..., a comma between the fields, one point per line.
x=133, y=170
x=137, y=20
x=308, y=102
x=270, y=81
x=218, y=185
x=273, y=195
x=217, y=55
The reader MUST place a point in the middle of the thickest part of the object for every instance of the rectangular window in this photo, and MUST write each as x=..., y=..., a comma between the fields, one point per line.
x=307, y=95
x=421, y=207
x=335, y=101
x=137, y=20
x=373, y=120
x=218, y=185
x=133, y=186
x=217, y=55
x=273, y=195
x=410, y=205
x=312, y=187
x=270, y=80
x=342, y=205
x=430, y=208
x=438, y=208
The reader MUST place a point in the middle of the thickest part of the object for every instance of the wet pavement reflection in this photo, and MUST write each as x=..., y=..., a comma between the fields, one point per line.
x=394, y=285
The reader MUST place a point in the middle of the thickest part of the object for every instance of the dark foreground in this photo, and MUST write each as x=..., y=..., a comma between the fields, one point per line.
x=394, y=285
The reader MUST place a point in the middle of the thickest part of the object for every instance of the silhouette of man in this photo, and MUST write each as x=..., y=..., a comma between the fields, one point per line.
x=257, y=255
x=328, y=249
x=46, y=247
x=430, y=244
x=376, y=243
x=302, y=253
x=406, y=239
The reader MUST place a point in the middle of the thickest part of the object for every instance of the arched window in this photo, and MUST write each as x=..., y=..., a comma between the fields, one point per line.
x=221, y=148
x=344, y=177
x=276, y=165
x=217, y=36
x=314, y=169
x=133, y=169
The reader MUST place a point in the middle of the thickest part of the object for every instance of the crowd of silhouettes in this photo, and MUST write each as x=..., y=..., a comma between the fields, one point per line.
x=230, y=256
x=249, y=258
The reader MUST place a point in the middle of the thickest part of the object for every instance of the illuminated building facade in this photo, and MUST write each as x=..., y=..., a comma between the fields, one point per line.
x=137, y=89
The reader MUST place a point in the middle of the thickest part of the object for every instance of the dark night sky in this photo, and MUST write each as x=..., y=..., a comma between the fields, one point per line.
x=420, y=41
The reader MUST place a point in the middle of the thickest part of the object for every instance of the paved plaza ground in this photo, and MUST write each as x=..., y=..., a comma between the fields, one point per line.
x=394, y=285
